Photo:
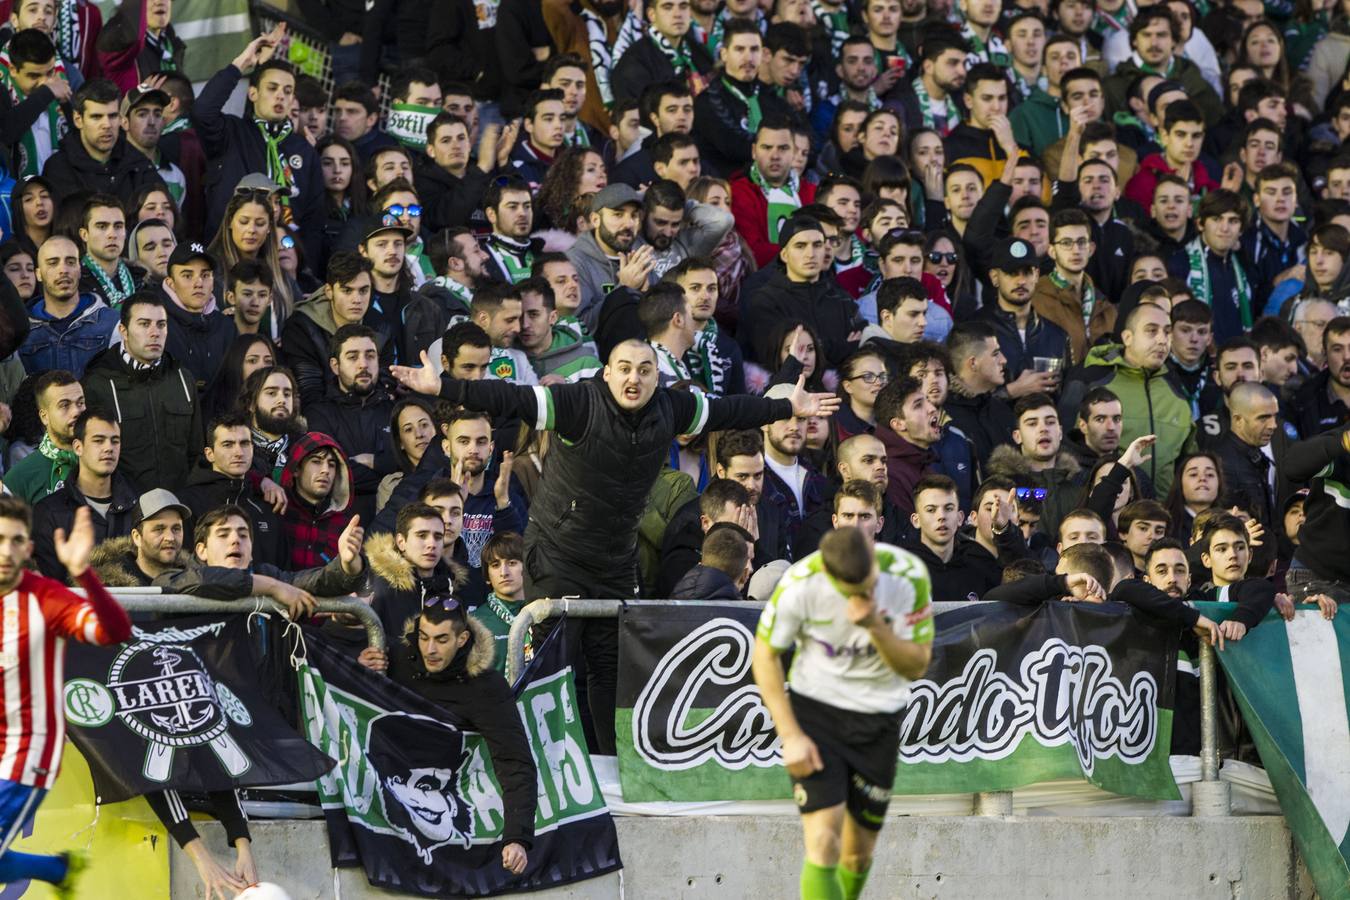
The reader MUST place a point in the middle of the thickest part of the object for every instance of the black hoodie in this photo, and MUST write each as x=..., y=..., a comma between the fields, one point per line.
x=198, y=340
x=72, y=170
x=822, y=305
x=208, y=489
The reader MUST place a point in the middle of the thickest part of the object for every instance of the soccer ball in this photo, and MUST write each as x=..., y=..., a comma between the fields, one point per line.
x=265, y=890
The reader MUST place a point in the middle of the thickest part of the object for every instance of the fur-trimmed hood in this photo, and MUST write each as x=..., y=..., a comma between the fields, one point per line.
x=1007, y=461
x=388, y=563
x=114, y=562
x=481, y=651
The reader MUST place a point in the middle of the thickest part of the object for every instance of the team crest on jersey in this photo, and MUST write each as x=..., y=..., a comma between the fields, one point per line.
x=503, y=369
x=161, y=691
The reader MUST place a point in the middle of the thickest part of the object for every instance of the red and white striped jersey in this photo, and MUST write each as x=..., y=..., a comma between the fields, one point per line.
x=35, y=619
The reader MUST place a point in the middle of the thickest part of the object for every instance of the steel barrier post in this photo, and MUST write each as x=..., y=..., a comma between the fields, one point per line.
x=1210, y=796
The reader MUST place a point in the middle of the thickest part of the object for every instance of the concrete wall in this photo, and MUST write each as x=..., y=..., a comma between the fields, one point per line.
x=933, y=858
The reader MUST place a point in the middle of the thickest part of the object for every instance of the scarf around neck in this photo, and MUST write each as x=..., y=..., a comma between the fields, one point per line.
x=63, y=462
x=783, y=201
x=278, y=168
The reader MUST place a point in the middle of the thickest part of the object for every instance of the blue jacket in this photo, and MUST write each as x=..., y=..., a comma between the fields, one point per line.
x=49, y=347
x=956, y=460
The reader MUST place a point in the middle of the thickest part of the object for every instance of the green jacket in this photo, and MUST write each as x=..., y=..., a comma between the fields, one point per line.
x=1151, y=404
x=1038, y=122
x=488, y=616
x=671, y=491
x=31, y=478
x=571, y=356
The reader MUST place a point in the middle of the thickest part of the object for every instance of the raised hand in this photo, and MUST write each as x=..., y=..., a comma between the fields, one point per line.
x=806, y=404
x=501, y=490
x=349, y=546
x=422, y=379
x=1139, y=451
x=73, y=549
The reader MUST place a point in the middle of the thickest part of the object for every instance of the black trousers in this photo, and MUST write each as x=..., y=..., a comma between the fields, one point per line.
x=595, y=642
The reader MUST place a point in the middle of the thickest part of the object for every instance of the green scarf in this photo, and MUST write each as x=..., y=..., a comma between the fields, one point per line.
x=783, y=201
x=113, y=293
x=462, y=294
x=699, y=358
x=63, y=463
x=165, y=47
x=28, y=163
x=1088, y=299
x=991, y=51
x=836, y=24
x=516, y=259
x=1104, y=23
x=679, y=56
x=753, y=112
x=182, y=123
x=408, y=123
x=1151, y=70
x=952, y=114
x=278, y=169
x=1197, y=279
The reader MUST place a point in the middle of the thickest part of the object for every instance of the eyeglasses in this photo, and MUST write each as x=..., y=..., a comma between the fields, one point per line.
x=398, y=210
x=870, y=378
x=935, y=258
x=1073, y=243
x=287, y=242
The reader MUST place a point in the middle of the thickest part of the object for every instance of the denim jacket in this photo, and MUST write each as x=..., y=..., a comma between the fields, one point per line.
x=47, y=348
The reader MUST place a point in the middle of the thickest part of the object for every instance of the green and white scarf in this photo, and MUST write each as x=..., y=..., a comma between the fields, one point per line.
x=113, y=293
x=991, y=51
x=670, y=365
x=1105, y=23
x=278, y=168
x=679, y=56
x=1151, y=70
x=28, y=163
x=753, y=112
x=783, y=201
x=1088, y=299
x=408, y=123
x=578, y=137
x=835, y=22
x=165, y=47
x=953, y=112
x=1024, y=87
x=1197, y=279
x=63, y=463
x=182, y=123
x=515, y=258
x=461, y=293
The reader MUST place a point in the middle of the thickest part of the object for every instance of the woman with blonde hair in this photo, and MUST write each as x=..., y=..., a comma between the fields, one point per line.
x=248, y=231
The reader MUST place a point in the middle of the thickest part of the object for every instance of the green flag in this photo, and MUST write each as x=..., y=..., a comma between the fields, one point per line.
x=1291, y=683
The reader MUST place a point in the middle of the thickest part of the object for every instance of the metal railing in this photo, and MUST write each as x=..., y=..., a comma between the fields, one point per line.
x=1210, y=796
x=151, y=600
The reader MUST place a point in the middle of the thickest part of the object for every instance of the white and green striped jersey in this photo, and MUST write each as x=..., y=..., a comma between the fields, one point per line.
x=835, y=661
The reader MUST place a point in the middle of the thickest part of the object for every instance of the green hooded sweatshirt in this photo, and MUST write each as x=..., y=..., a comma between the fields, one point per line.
x=1151, y=405
x=1038, y=122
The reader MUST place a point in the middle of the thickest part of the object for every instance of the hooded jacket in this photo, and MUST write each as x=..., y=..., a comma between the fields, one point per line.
x=207, y=489
x=1151, y=405
x=706, y=583
x=114, y=562
x=1060, y=481
x=235, y=147
x=1041, y=337
x=1038, y=122
x=598, y=274
x=127, y=53
x=72, y=170
x=478, y=695
x=48, y=347
x=570, y=356
x=304, y=340
x=986, y=420
x=822, y=305
x=314, y=531
x=906, y=463
x=159, y=412
x=57, y=510
x=397, y=590
x=360, y=424
x=1152, y=167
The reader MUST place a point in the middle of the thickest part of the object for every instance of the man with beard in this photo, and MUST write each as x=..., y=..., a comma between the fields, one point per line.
x=99, y=485
x=558, y=352
x=1067, y=297
x=1275, y=242
x=602, y=255
x=152, y=242
x=65, y=328
x=386, y=244
x=154, y=398
x=225, y=481
x=1136, y=372
x=615, y=437
x=1324, y=400
x=860, y=458
x=154, y=547
x=766, y=194
x=60, y=400
x=103, y=231
x=509, y=207
x=356, y=412
x=677, y=229
x=929, y=101
x=727, y=114
x=1213, y=270
x=344, y=300
x=790, y=481
x=855, y=71
x=1023, y=335
x=1236, y=361
x=199, y=333
x=460, y=263
x=497, y=309
x=272, y=401
x=95, y=157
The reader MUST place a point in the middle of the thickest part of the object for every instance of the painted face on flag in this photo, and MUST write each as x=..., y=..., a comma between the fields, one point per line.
x=418, y=761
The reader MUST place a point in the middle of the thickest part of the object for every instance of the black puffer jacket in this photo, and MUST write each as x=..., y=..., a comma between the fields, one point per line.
x=720, y=124
x=208, y=489
x=159, y=412
x=448, y=201
x=397, y=591
x=57, y=510
x=360, y=424
x=985, y=419
x=644, y=64
x=706, y=583
x=478, y=694
x=71, y=170
x=1042, y=338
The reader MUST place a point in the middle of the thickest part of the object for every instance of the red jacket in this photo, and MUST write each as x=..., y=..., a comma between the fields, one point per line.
x=1140, y=187
x=751, y=210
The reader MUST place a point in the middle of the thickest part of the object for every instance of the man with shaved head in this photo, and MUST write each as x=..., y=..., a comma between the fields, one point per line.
x=615, y=435
x=1248, y=452
x=860, y=458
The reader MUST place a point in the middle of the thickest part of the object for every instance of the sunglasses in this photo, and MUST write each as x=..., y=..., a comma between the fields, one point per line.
x=398, y=210
x=447, y=603
x=255, y=193
x=935, y=258
x=1036, y=494
x=287, y=242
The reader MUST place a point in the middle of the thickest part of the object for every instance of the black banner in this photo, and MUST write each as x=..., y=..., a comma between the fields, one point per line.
x=180, y=706
x=415, y=801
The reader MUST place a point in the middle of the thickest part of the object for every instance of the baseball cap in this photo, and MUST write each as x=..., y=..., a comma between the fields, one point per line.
x=154, y=502
x=142, y=94
x=256, y=181
x=615, y=196
x=792, y=226
x=381, y=224
x=1014, y=254
x=1163, y=87
x=765, y=580
x=188, y=251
